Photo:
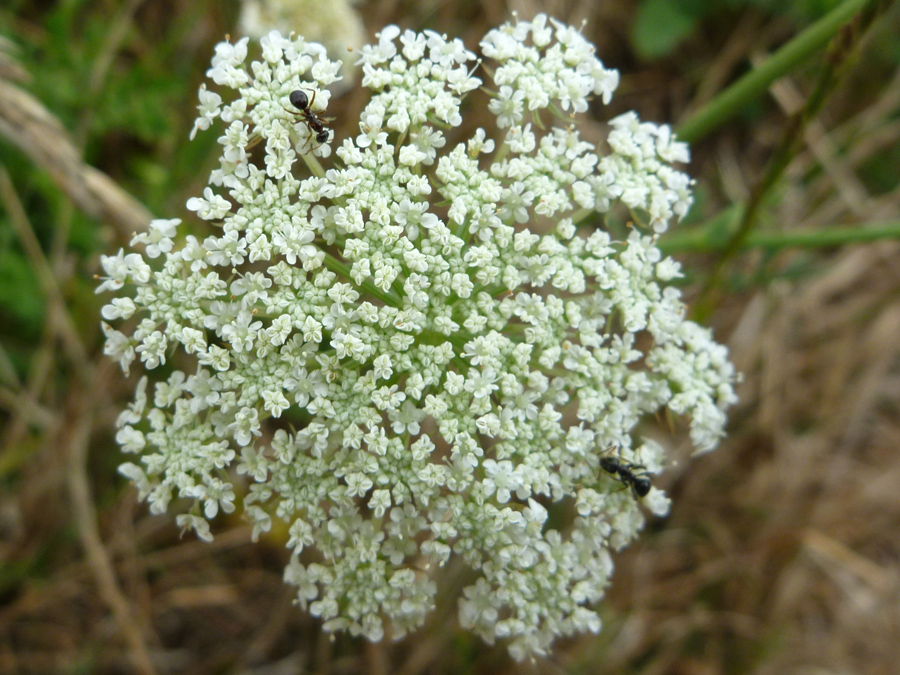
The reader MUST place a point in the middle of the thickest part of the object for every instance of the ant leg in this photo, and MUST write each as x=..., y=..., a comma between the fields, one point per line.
x=309, y=106
x=308, y=143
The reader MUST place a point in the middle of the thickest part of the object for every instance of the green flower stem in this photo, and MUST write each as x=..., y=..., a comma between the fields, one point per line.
x=434, y=338
x=501, y=153
x=702, y=240
x=731, y=101
x=581, y=214
x=343, y=269
x=314, y=165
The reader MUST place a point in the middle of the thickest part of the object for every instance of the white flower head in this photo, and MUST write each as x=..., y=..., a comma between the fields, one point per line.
x=467, y=344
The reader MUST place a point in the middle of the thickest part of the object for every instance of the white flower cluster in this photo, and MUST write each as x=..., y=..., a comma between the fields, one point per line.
x=418, y=353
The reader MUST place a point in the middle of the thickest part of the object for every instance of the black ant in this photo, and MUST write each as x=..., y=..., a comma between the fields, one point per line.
x=304, y=104
x=632, y=475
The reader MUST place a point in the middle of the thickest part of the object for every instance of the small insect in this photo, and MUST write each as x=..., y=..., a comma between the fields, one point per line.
x=304, y=104
x=632, y=475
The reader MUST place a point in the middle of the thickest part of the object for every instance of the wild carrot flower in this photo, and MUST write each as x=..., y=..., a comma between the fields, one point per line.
x=422, y=350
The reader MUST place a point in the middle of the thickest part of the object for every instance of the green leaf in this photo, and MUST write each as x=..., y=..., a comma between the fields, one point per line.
x=21, y=302
x=660, y=26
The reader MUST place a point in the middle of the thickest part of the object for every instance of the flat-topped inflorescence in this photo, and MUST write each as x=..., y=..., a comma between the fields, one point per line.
x=418, y=350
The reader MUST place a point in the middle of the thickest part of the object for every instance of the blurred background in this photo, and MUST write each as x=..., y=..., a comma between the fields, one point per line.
x=782, y=551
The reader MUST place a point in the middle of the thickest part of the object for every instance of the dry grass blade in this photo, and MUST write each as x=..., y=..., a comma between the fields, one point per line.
x=9, y=66
x=76, y=435
x=28, y=125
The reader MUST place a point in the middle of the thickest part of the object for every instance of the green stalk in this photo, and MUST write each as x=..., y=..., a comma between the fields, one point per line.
x=837, y=62
x=731, y=101
x=343, y=269
x=312, y=162
x=702, y=241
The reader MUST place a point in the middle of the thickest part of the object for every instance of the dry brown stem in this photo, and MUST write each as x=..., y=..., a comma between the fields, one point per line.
x=28, y=125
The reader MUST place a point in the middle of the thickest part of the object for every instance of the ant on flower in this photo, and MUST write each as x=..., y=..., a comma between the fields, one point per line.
x=632, y=475
x=314, y=123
